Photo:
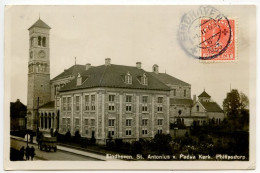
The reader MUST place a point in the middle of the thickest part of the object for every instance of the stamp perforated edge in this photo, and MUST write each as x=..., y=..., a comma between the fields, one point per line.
x=236, y=46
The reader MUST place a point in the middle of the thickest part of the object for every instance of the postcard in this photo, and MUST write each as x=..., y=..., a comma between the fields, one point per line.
x=130, y=87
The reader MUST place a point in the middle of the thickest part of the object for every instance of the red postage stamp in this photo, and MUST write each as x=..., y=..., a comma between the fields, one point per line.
x=218, y=39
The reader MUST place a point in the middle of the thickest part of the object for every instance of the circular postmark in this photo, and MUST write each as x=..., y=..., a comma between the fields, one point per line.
x=204, y=33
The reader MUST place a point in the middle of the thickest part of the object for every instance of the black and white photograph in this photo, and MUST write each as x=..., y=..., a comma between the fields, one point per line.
x=130, y=87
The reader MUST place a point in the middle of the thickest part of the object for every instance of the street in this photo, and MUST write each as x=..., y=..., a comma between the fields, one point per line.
x=58, y=155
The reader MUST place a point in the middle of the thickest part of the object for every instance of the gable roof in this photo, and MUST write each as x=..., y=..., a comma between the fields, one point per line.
x=204, y=94
x=40, y=24
x=187, y=102
x=114, y=76
x=50, y=104
x=17, y=109
x=211, y=107
x=168, y=79
x=72, y=71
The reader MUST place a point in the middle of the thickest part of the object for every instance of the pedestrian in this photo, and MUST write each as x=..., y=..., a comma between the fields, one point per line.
x=32, y=152
x=27, y=153
x=21, y=153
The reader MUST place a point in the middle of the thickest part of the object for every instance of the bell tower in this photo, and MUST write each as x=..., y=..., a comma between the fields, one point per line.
x=38, y=71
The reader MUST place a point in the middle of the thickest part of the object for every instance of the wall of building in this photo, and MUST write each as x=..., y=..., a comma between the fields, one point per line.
x=177, y=91
x=98, y=119
x=216, y=115
x=176, y=109
x=56, y=85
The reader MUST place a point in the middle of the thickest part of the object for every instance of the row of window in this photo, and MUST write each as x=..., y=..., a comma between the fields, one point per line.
x=129, y=79
x=111, y=122
x=38, y=68
x=128, y=132
x=184, y=92
x=40, y=42
x=90, y=103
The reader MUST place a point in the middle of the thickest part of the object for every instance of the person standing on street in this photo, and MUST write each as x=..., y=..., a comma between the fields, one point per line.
x=32, y=152
x=27, y=153
x=22, y=153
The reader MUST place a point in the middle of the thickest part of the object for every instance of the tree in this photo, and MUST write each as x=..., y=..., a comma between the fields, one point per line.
x=161, y=143
x=235, y=107
x=244, y=102
x=231, y=104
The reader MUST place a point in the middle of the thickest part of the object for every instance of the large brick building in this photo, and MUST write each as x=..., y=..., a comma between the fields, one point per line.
x=103, y=101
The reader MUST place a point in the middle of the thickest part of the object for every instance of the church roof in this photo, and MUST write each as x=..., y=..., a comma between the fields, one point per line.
x=114, y=76
x=40, y=24
x=211, y=107
x=72, y=71
x=204, y=94
x=187, y=102
x=50, y=104
x=168, y=79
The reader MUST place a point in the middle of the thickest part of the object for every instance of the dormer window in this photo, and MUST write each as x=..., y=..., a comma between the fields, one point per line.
x=128, y=78
x=144, y=80
x=79, y=80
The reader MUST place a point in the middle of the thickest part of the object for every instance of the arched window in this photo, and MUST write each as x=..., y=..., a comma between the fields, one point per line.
x=79, y=79
x=128, y=78
x=39, y=41
x=198, y=108
x=45, y=121
x=37, y=68
x=44, y=41
x=49, y=119
x=144, y=79
x=41, y=125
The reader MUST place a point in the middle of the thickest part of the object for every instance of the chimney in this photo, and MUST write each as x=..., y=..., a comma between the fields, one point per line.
x=18, y=100
x=88, y=65
x=107, y=61
x=139, y=65
x=194, y=99
x=156, y=68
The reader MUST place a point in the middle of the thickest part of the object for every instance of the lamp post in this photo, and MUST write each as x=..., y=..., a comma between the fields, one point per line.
x=37, y=118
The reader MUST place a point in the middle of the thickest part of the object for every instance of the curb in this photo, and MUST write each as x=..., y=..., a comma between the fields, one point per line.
x=59, y=148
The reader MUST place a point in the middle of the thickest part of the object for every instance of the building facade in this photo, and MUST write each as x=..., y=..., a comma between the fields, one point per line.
x=124, y=102
x=18, y=115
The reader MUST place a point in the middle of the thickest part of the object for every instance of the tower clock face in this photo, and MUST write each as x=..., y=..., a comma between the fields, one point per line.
x=41, y=54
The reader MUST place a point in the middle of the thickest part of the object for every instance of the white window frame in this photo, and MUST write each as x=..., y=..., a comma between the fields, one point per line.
x=127, y=132
x=93, y=103
x=77, y=104
x=69, y=104
x=87, y=102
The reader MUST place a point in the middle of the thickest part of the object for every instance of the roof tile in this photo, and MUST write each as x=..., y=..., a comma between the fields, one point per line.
x=211, y=106
x=40, y=24
x=111, y=76
x=168, y=79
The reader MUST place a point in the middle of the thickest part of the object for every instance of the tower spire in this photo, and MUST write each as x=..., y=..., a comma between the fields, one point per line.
x=75, y=60
x=39, y=15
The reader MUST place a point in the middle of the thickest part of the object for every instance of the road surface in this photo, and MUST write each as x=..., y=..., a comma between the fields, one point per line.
x=58, y=155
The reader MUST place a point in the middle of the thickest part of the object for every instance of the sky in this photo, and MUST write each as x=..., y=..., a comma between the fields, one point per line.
x=126, y=34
